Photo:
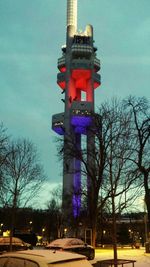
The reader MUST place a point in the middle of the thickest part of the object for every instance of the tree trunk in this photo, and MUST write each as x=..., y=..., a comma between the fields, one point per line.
x=12, y=227
x=94, y=233
x=147, y=200
x=14, y=208
x=114, y=232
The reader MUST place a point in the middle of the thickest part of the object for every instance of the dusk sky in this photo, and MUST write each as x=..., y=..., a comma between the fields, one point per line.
x=31, y=35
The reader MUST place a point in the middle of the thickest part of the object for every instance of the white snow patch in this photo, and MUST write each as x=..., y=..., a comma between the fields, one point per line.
x=142, y=258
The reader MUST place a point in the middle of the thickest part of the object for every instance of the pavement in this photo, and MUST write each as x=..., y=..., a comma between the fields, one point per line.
x=139, y=255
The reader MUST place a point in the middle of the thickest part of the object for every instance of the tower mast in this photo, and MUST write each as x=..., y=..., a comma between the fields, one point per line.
x=72, y=13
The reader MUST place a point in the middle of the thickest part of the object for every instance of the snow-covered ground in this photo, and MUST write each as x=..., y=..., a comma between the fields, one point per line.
x=142, y=258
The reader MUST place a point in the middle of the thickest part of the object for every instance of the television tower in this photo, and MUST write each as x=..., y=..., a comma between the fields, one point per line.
x=78, y=78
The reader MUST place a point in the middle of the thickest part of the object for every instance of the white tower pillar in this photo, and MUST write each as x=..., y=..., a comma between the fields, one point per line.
x=72, y=13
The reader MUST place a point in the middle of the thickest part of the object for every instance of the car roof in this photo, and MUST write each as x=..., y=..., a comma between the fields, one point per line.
x=6, y=240
x=48, y=255
x=66, y=242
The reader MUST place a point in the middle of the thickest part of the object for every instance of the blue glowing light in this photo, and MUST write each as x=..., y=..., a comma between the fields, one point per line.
x=59, y=130
x=81, y=123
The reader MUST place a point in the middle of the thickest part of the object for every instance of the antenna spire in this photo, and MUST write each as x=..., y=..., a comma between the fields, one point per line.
x=72, y=13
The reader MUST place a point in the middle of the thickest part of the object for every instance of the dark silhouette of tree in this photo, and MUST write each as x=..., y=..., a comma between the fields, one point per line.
x=139, y=109
x=118, y=183
x=54, y=214
x=110, y=173
x=23, y=176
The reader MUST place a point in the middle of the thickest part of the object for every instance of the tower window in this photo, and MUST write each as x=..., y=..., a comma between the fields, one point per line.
x=78, y=39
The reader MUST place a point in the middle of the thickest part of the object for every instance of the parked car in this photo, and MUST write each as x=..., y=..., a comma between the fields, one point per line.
x=43, y=258
x=74, y=245
x=17, y=244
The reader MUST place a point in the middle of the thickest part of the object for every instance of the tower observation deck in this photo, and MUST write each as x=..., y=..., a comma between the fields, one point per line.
x=78, y=75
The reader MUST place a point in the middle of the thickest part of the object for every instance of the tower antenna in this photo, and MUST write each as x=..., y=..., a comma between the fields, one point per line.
x=72, y=13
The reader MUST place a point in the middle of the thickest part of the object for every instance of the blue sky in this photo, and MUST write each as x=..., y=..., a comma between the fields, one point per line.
x=31, y=35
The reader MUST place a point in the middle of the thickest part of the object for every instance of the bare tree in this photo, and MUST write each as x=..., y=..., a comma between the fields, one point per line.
x=140, y=119
x=111, y=170
x=118, y=184
x=54, y=211
x=23, y=176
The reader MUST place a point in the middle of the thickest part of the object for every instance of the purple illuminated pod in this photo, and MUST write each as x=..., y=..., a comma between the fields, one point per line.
x=78, y=78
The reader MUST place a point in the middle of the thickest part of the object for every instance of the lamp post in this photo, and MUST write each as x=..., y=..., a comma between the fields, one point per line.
x=145, y=225
x=30, y=223
x=145, y=222
x=65, y=231
x=1, y=229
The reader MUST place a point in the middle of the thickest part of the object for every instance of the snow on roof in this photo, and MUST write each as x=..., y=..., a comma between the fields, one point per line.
x=66, y=242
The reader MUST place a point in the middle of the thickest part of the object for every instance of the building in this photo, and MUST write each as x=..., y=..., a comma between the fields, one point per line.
x=78, y=78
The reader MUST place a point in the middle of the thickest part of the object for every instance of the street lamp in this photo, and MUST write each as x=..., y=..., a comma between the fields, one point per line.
x=30, y=223
x=65, y=231
x=43, y=230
